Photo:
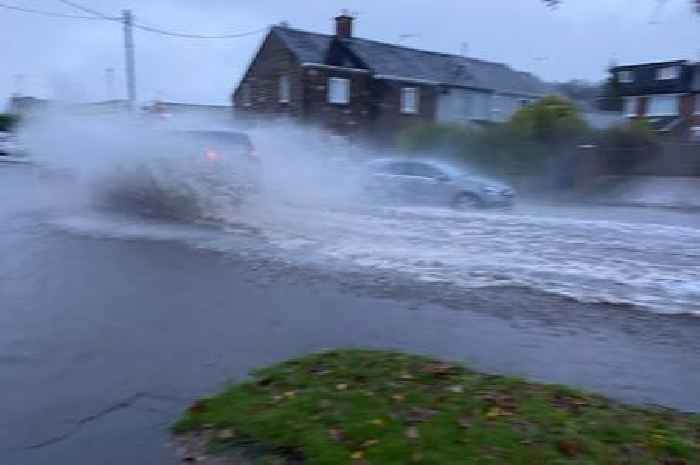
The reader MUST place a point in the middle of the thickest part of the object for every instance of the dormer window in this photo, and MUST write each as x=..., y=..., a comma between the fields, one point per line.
x=668, y=73
x=625, y=76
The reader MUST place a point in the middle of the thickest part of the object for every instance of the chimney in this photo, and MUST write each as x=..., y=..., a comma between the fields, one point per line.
x=343, y=25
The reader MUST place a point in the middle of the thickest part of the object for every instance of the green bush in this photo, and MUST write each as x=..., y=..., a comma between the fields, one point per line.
x=536, y=135
x=552, y=120
x=636, y=134
x=7, y=121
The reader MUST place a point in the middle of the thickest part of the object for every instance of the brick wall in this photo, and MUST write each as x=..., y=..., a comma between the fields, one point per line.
x=262, y=79
x=353, y=117
x=374, y=109
x=389, y=118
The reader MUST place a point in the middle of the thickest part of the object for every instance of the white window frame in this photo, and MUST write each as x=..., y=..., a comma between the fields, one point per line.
x=284, y=89
x=625, y=76
x=338, y=90
x=632, y=102
x=675, y=112
x=668, y=73
x=410, y=107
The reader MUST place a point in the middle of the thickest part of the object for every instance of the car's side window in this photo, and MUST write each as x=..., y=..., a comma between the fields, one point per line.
x=425, y=171
x=396, y=169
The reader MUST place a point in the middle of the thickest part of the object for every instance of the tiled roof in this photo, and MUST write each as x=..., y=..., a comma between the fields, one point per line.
x=397, y=62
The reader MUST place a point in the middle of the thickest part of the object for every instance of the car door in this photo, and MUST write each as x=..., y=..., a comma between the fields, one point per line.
x=392, y=180
x=429, y=183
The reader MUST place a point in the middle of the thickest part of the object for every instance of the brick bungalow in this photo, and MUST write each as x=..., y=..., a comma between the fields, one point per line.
x=356, y=85
x=665, y=94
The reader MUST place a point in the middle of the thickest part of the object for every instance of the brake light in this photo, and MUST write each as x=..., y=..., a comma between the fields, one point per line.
x=251, y=154
x=211, y=155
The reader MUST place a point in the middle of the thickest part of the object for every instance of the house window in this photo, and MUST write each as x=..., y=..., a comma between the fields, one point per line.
x=284, y=89
x=409, y=100
x=625, y=77
x=668, y=73
x=663, y=105
x=338, y=90
x=630, y=107
x=246, y=95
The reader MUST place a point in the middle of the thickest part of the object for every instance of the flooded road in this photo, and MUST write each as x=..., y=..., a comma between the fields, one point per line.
x=111, y=324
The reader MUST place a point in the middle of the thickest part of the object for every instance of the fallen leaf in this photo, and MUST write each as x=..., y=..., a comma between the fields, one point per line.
x=336, y=434
x=226, y=434
x=377, y=422
x=412, y=433
x=290, y=394
x=406, y=376
x=359, y=455
x=465, y=422
x=369, y=443
x=497, y=412
x=398, y=397
x=569, y=447
x=341, y=387
x=198, y=407
x=439, y=369
x=419, y=415
x=456, y=389
x=676, y=461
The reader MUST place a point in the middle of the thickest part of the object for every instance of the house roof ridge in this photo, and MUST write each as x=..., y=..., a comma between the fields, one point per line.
x=390, y=44
x=655, y=63
x=304, y=31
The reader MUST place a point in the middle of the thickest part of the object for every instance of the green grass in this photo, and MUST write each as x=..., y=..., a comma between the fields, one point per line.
x=382, y=408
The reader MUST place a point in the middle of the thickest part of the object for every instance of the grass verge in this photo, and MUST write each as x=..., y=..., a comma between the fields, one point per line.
x=382, y=408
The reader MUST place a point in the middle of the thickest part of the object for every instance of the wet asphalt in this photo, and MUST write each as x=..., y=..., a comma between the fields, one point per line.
x=103, y=342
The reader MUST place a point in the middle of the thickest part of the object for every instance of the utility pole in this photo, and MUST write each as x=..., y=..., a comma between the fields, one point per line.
x=128, y=21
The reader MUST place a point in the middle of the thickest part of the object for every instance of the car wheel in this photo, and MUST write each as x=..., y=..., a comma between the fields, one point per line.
x=467, y=201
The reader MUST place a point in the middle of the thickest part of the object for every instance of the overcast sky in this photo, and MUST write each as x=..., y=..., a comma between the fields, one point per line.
x=67, y=58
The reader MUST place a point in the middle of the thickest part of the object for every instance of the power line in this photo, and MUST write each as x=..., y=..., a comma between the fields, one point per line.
x=45, y=13
x=85, y=9
x=96, y=15
x=198, y=36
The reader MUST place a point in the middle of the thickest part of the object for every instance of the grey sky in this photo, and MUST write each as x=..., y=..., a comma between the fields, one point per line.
x=65, y=58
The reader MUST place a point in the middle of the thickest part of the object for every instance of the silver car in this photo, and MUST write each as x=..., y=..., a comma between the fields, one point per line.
x=431, y=182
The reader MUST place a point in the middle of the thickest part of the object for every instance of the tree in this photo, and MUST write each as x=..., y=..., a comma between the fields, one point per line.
x=610, y=98
x=552, y=121
x=7, y=122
